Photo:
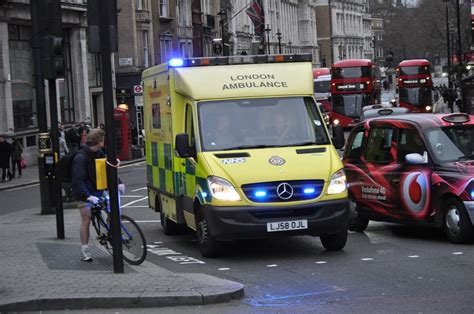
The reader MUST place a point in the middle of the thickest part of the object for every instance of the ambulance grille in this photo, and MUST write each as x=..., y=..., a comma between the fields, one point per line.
x=283, y=191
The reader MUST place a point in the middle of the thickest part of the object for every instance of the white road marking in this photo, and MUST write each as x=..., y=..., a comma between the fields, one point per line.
x=321, y=262
x=132, y=165
x=413, y=256
x=367, y=259
x=224, y=268
x=135, y=201
x=138, y=206
x=143, y=188
x=272, y=265
x=145, y=221
x=20, y=188
x=131, y=196
x=458, y=253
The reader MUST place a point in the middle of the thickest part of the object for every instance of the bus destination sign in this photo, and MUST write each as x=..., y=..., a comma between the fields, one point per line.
x=350, y=87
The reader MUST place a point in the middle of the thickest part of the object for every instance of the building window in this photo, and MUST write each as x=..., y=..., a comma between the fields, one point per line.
x=165, y=48
x=164, y=8
x=140, y=5
x=93, y=64
x=146, y=56
x=65, y=87
x=21, y=64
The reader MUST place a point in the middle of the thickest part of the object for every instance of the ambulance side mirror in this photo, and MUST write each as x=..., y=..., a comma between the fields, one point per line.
x=338, y=136
x=183, y=148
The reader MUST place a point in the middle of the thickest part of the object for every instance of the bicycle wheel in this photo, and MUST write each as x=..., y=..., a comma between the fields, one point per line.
x=133, y=241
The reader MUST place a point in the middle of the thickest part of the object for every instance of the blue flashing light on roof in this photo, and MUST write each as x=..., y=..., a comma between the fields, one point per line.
x=260, y=193
x=309, y=190
x=175, y=62
x=472, y=194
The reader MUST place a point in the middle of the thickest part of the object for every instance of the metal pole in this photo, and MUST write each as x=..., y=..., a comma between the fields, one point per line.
x=268, y=29
x=448, y=47
x=459, y=54
x=41, y=106
x=105, y=12
x=279, y=40
x=56, y=186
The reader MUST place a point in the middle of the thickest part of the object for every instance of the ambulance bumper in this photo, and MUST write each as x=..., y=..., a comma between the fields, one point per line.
x=250, y=222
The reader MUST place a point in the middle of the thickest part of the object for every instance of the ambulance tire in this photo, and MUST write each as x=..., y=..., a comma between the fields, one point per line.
x=169, y=226
x=208, y=245
x=335, y=241
x=456, y=222
x=356, y=223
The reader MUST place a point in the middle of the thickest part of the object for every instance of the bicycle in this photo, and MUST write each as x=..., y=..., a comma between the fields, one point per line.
x=133, y=241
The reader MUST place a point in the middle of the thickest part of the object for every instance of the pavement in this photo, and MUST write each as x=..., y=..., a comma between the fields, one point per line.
x=40, y=272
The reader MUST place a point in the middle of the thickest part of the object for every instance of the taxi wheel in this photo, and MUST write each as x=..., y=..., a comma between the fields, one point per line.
x=208, y=245
x=457, y=224
x=356, y=223
x=169, y=226
x=335, y=241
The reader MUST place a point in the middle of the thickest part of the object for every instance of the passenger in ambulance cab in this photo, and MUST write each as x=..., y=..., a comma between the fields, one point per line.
x=279, y=127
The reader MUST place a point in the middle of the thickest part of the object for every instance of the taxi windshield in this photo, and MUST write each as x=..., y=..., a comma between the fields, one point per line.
x=259, y=123
x=452, y=143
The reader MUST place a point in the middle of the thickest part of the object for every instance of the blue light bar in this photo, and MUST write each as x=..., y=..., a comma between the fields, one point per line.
x=204, y=194
x=472, y=194
x=260, y=193
x=176, y=62
x=309, y=190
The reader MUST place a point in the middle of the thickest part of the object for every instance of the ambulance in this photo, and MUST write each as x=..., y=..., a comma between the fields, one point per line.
x=236, y=148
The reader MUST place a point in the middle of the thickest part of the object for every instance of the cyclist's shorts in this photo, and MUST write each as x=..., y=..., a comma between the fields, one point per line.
x=82, y=204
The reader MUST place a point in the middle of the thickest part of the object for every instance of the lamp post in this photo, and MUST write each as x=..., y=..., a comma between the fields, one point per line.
x=448, y=45
x=289, y=45
x=222, y=14
x=375, y=48
x=279, y=40
x=268, y=30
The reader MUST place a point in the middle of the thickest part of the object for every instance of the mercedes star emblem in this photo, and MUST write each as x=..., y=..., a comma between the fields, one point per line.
x=284, y=191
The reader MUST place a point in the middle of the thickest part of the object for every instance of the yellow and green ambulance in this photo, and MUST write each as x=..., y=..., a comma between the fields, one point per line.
x=236, y=148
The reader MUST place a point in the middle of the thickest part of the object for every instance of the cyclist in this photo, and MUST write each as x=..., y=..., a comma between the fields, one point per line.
x=84, y=184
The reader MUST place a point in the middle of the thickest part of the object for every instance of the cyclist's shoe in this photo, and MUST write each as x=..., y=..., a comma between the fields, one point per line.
x=86, y=255
x=86, y=258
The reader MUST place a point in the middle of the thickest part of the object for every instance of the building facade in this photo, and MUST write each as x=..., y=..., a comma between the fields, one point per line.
x=348, y=31
x=75, y=92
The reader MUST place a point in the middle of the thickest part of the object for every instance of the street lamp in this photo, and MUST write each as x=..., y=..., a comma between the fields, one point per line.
x=279, y=40
x=222, y=14
x=289, y=45
x=448, y=44
x=268, y=30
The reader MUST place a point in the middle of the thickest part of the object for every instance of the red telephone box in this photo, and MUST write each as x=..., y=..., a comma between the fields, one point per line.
x=122, y=134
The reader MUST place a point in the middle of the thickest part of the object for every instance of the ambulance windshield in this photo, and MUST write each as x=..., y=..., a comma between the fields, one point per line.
x=260, y=123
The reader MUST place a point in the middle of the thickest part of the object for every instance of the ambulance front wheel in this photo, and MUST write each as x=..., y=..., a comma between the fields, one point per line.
x=335, y=241
x=208, y=245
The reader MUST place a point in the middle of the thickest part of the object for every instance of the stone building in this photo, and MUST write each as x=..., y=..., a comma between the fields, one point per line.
x=75, y=92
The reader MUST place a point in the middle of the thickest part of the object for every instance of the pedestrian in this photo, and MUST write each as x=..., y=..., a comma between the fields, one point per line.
x=63, y=149
x=17, y=151
x=134, y=134
x=84, y=184
x=61, y=131
x=83, y=131
x=5, y=155
x=73, y=139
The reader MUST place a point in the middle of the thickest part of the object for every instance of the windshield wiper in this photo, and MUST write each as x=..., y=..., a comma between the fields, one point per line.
x=249, y=147
x=299, y=144
x=465, y=158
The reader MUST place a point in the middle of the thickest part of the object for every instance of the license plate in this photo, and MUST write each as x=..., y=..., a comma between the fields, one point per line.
x=287, y=225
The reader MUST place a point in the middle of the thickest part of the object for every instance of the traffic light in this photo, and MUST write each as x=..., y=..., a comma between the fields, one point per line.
x=51, y=38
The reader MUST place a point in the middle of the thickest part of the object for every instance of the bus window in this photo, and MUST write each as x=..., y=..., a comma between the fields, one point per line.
x=419, y=96
x=414, y=70
x=351, y=72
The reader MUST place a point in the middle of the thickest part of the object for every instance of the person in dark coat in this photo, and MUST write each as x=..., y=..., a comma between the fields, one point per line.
x=5, y=154
x=17, y=150
x=84, y=184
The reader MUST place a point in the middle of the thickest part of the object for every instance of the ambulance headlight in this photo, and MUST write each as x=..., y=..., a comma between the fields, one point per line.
x=222, y=189
x=338, y=183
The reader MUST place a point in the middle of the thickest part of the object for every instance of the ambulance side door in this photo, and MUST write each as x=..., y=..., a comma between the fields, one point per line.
x=188, y=165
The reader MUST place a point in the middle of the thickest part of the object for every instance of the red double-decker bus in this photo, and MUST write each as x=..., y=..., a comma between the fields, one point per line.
x=415, y=85
x=355, y=83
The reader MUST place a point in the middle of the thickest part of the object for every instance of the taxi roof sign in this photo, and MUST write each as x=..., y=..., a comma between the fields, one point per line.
x=457, y=118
